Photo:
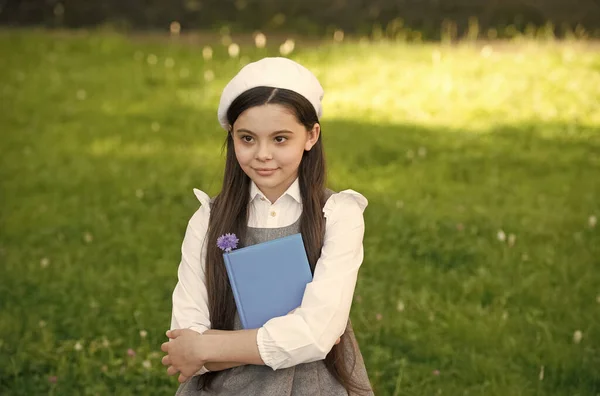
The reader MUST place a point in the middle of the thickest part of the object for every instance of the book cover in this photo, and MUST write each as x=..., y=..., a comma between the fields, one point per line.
x=268, y=279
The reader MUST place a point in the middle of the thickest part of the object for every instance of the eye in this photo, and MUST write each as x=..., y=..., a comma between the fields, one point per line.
x=246, y=138
x=280, y=139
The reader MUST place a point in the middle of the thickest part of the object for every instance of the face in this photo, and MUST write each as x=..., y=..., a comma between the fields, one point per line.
x=269, y=143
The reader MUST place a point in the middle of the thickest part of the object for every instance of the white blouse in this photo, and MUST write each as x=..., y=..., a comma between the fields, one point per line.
x=310, y=332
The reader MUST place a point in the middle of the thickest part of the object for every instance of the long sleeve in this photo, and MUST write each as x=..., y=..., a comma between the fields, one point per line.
x=311, y=331
x=190, y=298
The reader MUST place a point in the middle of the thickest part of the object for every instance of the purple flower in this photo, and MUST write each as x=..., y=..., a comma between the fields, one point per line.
x=227, y=242
x=52, y=379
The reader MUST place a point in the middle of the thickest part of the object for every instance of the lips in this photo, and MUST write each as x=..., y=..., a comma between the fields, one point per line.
x=265, y=171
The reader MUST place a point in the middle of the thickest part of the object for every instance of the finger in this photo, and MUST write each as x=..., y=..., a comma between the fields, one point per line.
x=164, y=347
x=166, y=360
x=172, y=370
x=338, y=341
x=182, y=378
x=174, y=333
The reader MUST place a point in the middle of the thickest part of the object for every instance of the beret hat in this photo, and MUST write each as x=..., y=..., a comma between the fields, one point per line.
x=271, y=72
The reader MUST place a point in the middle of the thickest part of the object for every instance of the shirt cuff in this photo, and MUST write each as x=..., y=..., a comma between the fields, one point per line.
x=198, y=329
x=267, y=349
x=203, y=370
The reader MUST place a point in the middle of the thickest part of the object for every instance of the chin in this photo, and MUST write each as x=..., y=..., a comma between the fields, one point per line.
x=267, y=182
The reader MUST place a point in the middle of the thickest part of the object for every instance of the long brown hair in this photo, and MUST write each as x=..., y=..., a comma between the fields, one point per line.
x=229, y=213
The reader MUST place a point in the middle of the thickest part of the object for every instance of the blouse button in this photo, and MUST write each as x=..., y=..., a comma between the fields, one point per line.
x=263, y=199
x=273, y=214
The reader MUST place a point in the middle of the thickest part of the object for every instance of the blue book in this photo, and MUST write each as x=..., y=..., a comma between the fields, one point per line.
x=268, y=279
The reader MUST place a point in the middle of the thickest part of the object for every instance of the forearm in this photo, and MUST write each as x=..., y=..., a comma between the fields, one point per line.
x=216, y=332
x=219, y=366
x=232, y=346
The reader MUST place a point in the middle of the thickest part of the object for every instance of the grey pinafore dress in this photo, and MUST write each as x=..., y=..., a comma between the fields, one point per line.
x=306, y=379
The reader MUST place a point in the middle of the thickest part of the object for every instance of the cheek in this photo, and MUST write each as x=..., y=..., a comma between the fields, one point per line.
x=292, y=156
x=242, y=154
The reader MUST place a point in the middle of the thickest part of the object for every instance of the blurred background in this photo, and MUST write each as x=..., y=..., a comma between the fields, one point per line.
x=310, y=17
x=473, y=128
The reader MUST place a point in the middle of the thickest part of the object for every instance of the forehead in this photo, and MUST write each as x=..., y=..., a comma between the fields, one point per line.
x=267, y=118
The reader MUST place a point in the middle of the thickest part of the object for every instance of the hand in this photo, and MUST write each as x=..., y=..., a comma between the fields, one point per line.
x=184, y=353
x=336, y=342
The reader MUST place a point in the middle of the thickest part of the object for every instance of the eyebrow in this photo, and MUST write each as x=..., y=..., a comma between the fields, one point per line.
x=282, y=131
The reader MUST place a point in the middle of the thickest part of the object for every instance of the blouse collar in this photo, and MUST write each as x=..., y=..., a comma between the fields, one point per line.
x=293, y=191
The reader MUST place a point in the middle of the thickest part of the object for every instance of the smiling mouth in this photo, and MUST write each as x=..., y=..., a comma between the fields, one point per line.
x=265, y=171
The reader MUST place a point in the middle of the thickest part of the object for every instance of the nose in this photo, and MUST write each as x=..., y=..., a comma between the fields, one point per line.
x=263, y=153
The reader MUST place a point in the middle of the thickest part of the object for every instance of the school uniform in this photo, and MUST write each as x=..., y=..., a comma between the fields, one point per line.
x=293, y=347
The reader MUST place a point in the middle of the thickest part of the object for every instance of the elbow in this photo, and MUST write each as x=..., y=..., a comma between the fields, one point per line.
x=323, y=349
x=311, y=352
x=297, y=344
x=322, y=344
x=179, y=322
x=321, y=353
x=319, y=350
x=318, y=346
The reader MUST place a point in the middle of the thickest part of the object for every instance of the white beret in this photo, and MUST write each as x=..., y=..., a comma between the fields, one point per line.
x=276, y=73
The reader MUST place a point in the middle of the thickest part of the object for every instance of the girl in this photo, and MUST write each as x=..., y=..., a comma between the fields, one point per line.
x=273, y=187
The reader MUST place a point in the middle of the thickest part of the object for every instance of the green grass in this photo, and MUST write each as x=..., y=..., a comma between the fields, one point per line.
x=452, y=145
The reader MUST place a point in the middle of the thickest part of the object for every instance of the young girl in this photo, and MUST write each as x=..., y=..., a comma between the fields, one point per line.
x=274, y=186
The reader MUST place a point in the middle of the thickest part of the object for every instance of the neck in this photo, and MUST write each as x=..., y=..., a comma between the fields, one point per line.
x=274, y=193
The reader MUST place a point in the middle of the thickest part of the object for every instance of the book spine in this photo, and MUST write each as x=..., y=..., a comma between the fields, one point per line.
x=236, y=296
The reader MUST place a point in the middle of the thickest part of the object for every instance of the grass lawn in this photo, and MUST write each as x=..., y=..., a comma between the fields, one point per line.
x=481, y=164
